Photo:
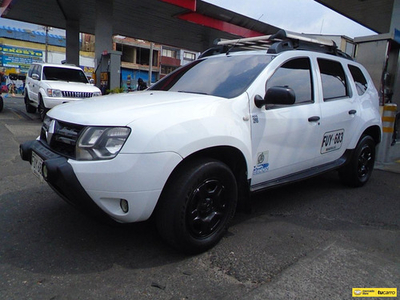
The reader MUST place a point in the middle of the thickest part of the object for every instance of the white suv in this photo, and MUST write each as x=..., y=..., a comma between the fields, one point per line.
x=48, y=85
x=201, y=140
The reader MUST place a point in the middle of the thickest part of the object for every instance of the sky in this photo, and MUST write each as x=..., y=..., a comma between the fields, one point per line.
x=302, y=16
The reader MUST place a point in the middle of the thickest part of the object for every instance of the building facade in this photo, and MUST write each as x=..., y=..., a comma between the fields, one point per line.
x=136, y=58
x=19, y=48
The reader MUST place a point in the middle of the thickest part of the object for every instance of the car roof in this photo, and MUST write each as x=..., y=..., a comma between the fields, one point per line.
x=65, y=66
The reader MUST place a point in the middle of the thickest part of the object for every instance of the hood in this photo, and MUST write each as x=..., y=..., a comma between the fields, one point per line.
x=72, y=86
x=122, y=109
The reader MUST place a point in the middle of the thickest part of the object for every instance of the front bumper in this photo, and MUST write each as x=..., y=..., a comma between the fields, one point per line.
x=62, y=179
x=98, y=187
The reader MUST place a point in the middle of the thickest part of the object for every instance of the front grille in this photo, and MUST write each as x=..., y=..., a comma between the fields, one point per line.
x=69, y=94
x=60, y=137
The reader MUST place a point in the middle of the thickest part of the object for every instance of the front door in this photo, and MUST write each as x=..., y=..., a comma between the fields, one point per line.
x=286, y=138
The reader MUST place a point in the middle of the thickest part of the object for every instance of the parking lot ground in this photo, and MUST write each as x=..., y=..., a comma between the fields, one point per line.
x=315, y=239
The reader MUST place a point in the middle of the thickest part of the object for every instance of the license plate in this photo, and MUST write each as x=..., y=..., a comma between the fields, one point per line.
x=36, y=166
x=332, y=141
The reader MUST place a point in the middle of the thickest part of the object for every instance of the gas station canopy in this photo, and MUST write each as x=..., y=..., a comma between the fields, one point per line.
x=187, y=24
x=373, y=14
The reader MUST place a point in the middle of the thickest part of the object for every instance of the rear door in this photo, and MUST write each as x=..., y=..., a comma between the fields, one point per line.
x=339, y=109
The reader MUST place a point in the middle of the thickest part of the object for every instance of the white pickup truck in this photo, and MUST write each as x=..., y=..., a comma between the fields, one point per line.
x=201, y=140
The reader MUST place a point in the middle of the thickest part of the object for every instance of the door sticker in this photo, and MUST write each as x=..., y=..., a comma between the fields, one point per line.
x=262, y=163
x=332, y=141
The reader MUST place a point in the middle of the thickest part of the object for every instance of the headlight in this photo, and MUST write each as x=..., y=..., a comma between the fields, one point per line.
x=54, y=93
x=98, y=143
x=96, y=94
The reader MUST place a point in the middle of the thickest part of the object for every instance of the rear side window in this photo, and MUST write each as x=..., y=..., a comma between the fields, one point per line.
x=334, y=84
x=295, y=74
x=359, y=79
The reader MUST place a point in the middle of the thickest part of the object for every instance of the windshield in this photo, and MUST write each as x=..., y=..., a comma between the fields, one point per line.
x=222, y=76
x=64, y=74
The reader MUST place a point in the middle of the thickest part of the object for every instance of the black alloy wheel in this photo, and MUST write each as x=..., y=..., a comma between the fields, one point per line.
x=196, y=205
x=207, y=208
x=365, y=162
x=358, y=171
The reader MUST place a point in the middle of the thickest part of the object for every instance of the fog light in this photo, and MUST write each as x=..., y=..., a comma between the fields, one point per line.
x=124, y=205
x=45, y=172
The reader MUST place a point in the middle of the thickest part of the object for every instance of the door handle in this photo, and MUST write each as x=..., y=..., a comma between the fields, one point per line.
x=314, y=119
x=352, y=112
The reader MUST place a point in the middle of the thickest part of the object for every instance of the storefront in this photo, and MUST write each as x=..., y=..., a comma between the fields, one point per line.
x=18, y=60
x=14, y=64
x=129, y=78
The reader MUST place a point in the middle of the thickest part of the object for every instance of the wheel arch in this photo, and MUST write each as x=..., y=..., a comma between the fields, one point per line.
x=230, y=156
x=374, y=132
x=42, y=96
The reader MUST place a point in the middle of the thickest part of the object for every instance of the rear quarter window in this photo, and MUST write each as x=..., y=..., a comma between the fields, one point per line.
x=359, y=79
x=334, y=83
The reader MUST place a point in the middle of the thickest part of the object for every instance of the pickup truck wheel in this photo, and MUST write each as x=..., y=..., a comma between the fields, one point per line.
x=1, y=103
x=29, y=108
x=42, y=109
x=359, y=170
x=197, y=205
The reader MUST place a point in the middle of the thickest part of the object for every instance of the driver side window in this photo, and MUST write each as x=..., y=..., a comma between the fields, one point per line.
x=295, y=74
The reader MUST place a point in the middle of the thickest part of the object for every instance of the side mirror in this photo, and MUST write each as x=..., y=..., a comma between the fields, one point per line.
x=282, y=95
x=278, y=95
x=35, y=76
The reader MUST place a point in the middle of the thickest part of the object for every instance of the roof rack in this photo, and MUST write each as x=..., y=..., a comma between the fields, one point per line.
x=281, y=41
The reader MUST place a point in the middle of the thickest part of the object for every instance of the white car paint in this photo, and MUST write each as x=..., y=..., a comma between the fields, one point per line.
x=167, y=127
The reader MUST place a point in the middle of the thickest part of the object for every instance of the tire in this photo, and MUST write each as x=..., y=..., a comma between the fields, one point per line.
x=1, y=103
x=29, y=108
x=197, y=205
x=360, y=168
x=42, y=109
